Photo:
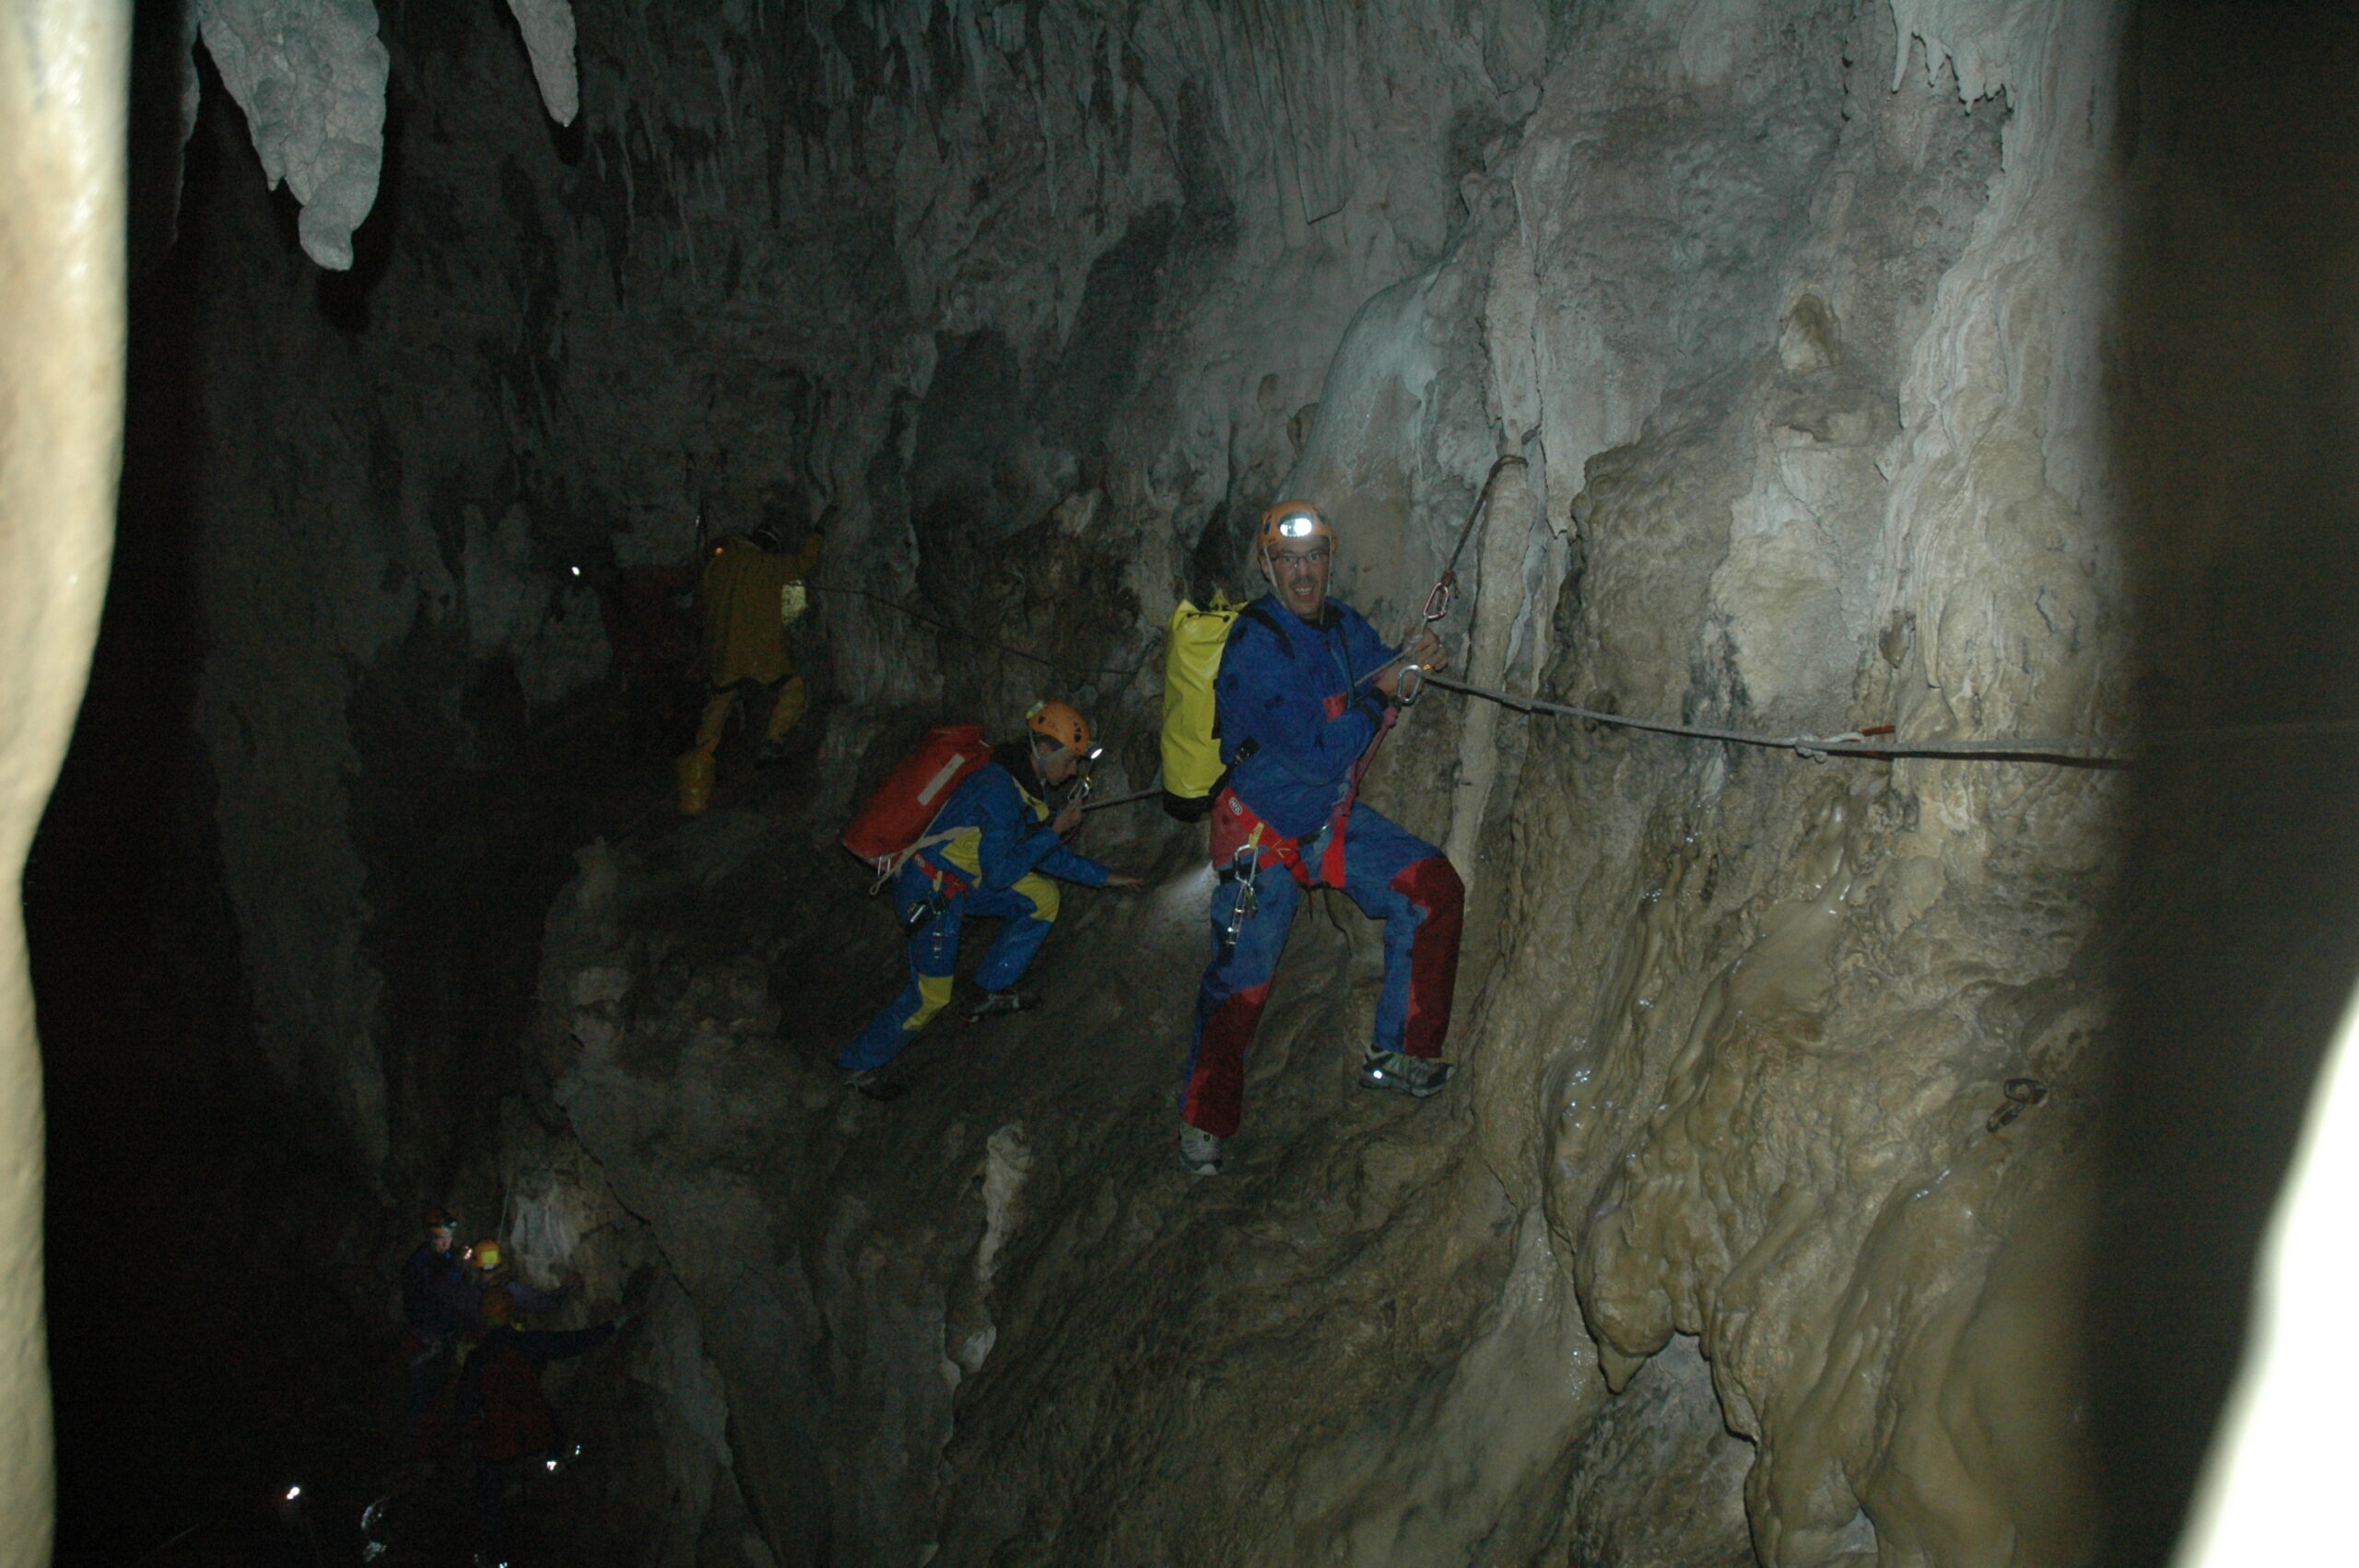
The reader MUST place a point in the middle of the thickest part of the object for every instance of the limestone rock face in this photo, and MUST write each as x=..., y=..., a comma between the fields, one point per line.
x=1768, y=336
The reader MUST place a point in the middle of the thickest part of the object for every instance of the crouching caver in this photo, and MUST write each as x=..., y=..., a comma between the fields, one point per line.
x=1303, y=689
x=991, y=851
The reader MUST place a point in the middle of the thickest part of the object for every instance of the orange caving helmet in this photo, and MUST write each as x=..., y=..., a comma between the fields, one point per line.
x=442, y=1220
x=1061, y=724
x=487, y=1255
x=498, y=1306
x=1289, y=520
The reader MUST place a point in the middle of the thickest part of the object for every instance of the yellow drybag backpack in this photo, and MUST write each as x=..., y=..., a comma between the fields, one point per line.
x=1192, y=654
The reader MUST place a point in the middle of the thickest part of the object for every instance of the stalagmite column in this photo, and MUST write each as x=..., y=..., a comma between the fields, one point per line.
x=1506, y=532
x=63, y=69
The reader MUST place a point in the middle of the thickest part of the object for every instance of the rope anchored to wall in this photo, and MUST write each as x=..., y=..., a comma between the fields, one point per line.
x=924, y=619
x=2116, y=752
x=1820, y=748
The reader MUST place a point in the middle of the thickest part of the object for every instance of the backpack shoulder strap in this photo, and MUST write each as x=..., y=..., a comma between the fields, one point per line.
x=1258, y=612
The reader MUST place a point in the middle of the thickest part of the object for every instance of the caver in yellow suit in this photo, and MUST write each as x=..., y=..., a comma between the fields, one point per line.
x=748, y=596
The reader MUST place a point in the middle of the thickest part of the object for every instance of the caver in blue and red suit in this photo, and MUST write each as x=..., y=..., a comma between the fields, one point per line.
x=990, y=852
x=1303, y=689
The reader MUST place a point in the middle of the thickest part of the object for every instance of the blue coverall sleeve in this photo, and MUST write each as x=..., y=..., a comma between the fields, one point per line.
x=417, y=1288
x=1015, y=843
x=1265, y=699
x=546, y=1345
x=456, y=1294
x=1066, y=865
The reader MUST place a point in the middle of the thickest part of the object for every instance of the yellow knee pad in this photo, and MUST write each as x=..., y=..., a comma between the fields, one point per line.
x=1043, y=893
x=934, y=995
x=793, y=701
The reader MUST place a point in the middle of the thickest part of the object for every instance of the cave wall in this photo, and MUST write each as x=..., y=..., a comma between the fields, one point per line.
x=776, y=266
x=1792, y=315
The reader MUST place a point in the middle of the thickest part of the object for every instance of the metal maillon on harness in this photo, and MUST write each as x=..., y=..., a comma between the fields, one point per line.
x=925, y=909
x=1244, y=869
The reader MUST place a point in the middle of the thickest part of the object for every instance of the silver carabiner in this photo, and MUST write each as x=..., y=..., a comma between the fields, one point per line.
x=1409, y=684
x=1245, y=866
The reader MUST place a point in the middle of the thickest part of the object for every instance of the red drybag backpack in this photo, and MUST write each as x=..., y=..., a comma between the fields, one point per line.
x=905, y=803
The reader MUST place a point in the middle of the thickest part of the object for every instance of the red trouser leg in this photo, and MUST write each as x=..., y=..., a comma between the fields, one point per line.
x=1434, y=885
x=1229, y=1006
x=1411, y=886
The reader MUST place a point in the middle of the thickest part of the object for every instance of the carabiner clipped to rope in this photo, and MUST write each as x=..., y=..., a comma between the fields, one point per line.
x=1409, y=684
x=1444, y=589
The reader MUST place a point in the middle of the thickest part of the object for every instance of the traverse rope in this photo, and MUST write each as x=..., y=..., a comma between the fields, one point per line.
x=1132, y=799
x=942, y=625
x=2115, y=752
x=1819, y=748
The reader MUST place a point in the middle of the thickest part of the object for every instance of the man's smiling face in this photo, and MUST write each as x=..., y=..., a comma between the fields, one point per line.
x=1298, y=571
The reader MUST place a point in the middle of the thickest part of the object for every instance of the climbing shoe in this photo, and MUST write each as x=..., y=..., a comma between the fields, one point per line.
x=991, y=1003
x=1198, y=1151
x=874, y=1082
x=1414, y=1075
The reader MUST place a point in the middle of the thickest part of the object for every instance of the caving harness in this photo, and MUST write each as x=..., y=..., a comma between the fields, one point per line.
x=948, y=885
x=888, y=833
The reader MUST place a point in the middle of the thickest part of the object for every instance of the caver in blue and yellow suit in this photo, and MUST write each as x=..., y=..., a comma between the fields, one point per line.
x=997, y=863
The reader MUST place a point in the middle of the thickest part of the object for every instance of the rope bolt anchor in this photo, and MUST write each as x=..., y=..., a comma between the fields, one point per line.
x=2022, y=1094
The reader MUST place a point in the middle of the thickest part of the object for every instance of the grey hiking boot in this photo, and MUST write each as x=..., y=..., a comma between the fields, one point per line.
x=1414, y=1075
x=874, y=1082
x=1198, y=1151
x=991, y=1003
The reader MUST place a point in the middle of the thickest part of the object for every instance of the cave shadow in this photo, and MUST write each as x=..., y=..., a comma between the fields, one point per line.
x=195, y=1375
x=2237, y=921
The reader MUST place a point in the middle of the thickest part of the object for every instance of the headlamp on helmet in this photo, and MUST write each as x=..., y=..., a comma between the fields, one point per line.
x=1294, y=522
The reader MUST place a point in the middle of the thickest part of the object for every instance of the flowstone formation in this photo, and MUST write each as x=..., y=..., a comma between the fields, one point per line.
x=1773, y=331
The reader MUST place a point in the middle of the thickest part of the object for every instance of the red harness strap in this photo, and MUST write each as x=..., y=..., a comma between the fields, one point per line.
x=1235, y=823
x=1237, y=826
x=1330, y=864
